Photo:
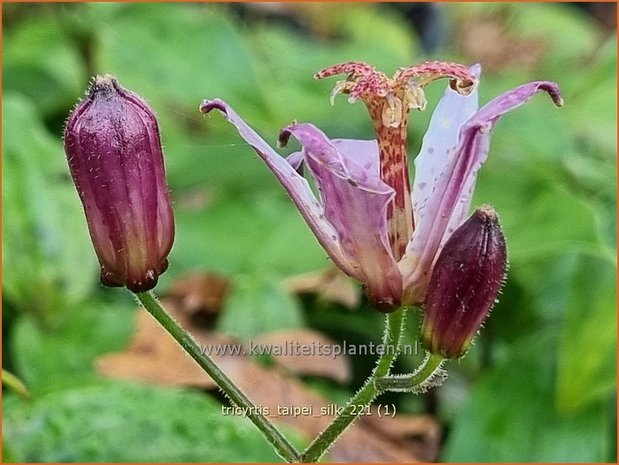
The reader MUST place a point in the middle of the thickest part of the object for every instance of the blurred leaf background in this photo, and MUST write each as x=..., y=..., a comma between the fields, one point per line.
x=540, y=383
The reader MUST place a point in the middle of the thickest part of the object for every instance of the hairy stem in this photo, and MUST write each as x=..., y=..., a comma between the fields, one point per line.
x=429, y=374
x=391, y=343
x=283, y=447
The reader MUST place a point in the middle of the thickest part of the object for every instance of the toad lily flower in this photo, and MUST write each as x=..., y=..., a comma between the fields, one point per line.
x=365, y=217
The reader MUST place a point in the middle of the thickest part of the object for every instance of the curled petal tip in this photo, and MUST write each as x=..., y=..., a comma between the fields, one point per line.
x=284, y=136
x=207, y=105
x=558, y=101
x=463, y=86
x=553, y=91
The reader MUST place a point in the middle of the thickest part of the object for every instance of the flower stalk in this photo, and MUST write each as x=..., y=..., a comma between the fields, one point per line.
x=281, y=445
x=394, y=325
x=374, y=386
x=428, y=375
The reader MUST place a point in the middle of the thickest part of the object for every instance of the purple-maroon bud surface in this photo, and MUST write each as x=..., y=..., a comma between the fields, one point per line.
x=114, y=152
x=465, y=282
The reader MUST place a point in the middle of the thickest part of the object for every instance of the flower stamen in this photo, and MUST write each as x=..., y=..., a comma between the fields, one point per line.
x=392, y=112
x=389, y=101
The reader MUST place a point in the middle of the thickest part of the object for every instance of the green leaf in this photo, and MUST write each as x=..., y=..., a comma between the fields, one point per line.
x=259, y=305
x=587, y=368
x=548, y=24
x=511, y=416
x=129, y=423
x=591, y=103
x=543, y=220
x=40, y=61
x=45, y=239
x=222, y=236
x=52, y=358
x=381, y=38
x=546, y=282
x=255, y=233
x=7, y=453
x=193, y=52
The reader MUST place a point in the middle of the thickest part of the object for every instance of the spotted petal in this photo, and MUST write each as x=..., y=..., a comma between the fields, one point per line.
x=355, y=202
x=436, y=157
x=445, y=188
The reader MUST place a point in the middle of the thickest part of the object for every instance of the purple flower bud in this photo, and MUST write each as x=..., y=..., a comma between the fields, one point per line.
x=114, y=152
x=464, y=285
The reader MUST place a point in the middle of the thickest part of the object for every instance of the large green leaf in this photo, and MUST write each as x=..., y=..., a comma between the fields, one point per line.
x=39, y=60
x=250, y=234
x=511, y=416
x=46, y=249
x=193, y=52
x=52, y=358
x=541, y=219
x=364, y=34
x=129, y=423
x=548, y=23
x=587, y=367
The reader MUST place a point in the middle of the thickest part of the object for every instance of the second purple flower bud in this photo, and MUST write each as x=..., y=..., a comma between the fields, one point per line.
x=465, y=283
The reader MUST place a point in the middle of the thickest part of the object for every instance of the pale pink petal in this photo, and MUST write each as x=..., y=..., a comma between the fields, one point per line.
x=446, y=206
x=437, y=154
x=355, y=201
x=296, y=186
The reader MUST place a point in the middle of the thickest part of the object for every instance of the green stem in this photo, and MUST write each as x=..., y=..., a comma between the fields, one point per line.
x=283, y=447
x=391, y=344
x=423, y=378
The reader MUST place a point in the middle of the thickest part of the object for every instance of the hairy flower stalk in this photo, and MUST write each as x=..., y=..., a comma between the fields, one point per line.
x=364, y=216
x=114, y=152
x=465, y=282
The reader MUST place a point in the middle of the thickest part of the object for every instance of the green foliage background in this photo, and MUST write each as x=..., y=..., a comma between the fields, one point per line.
x=540, y=383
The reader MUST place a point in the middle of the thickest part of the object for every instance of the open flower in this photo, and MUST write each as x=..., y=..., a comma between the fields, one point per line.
x=365, y=217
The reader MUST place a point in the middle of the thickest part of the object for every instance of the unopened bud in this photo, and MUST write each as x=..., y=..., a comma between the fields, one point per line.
x=464, y=285
x=114, y=152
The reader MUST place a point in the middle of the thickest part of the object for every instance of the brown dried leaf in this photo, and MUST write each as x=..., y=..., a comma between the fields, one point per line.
x=321, y=359
x=154, y=357
x=329, y=284
x=488, y=40
x=200, y=293
x=419, y=433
